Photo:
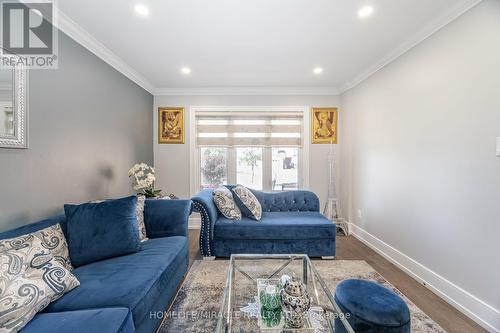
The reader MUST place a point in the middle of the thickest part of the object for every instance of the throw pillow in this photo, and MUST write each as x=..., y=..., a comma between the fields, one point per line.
x=52, y=238
x=247, y=202
x=103, y=230
x=140, y=217
x=224, y=201
x=30, y=279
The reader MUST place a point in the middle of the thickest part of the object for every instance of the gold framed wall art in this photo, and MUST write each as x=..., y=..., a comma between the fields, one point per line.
x=171, y=125
x=324, y=125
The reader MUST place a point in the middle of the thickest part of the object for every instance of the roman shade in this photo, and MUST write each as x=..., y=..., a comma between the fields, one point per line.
x=232, y=129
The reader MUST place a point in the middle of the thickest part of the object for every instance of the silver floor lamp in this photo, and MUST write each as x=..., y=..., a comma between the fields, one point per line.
x=332, y=207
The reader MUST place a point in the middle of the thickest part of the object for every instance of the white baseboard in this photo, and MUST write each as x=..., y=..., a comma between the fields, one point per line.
x=479, y=311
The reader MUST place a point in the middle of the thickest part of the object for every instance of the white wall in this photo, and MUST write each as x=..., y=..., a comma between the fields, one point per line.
x=172, y=161
x=420, y=162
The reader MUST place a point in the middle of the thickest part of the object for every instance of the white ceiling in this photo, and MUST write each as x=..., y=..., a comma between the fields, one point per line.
x=257, y=44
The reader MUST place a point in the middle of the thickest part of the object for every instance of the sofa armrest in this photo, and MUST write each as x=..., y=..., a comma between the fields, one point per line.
x=164, y=218
x=288, y=201
x=204, y=204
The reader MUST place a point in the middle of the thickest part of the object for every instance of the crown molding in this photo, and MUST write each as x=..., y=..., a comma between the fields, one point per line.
x=247, y=91
x=81, y=36
x=445, y=19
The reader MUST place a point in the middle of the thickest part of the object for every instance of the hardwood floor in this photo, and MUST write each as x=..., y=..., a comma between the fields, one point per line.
x=349, y=248
x=444, y=314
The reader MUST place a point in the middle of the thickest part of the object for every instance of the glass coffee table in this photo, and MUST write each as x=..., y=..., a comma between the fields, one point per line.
x=242, y=311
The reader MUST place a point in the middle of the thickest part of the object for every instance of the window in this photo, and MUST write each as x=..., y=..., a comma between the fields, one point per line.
x=249, y=167
x=285, y=168
x=262, y=150
x=213, y=166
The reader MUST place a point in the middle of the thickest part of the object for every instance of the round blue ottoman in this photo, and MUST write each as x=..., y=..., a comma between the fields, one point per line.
x=371, y=307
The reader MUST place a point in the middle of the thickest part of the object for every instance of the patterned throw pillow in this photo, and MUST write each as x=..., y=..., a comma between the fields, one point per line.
x=139, y=209
x=247, y=202
x=52, y=239
x=224, y=201
x=30, y=278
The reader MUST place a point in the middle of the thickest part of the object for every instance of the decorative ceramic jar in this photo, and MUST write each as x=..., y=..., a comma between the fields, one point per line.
x=295, y=303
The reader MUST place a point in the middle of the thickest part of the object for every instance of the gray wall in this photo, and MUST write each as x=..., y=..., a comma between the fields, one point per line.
x=172, y=161
x=421, y=153
x=88, y=125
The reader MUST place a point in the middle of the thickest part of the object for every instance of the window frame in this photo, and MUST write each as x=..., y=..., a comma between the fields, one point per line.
x=195, y=157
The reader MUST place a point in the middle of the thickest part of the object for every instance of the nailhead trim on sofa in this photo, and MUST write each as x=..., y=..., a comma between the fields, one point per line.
x=204, y=234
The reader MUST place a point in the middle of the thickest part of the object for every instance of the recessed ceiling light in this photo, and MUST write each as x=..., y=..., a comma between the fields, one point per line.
x=318, y=70
x=141, y=9
x=186, y=70
x=365, y=11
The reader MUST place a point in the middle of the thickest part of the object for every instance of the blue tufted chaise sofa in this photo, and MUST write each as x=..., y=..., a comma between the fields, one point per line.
x=291, y=223
x=123, y=294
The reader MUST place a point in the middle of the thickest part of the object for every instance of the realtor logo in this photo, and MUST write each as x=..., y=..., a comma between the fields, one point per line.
x=28, y=35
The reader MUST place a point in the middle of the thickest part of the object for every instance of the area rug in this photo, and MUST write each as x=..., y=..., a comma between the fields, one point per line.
x=198, y=300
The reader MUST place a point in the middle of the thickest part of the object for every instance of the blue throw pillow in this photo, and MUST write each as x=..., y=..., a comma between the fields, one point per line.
x=103, y=230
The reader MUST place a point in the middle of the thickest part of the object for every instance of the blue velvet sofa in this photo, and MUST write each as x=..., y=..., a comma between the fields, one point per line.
x=122, y=294
x=291, y=223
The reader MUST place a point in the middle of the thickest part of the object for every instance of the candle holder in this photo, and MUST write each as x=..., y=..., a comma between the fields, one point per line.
x=270, y=303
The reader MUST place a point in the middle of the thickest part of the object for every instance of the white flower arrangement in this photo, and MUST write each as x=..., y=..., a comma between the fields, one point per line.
x=143, y=180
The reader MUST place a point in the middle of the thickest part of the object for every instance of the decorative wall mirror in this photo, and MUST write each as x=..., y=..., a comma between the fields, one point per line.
x=14, y=108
